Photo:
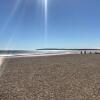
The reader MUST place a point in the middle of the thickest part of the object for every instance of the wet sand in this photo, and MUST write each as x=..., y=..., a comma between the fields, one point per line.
x=66, y=77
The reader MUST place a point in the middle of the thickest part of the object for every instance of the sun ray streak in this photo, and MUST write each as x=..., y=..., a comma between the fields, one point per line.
x=46, y=21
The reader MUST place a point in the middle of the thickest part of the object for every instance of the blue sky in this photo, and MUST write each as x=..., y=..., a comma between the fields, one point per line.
x=71, y=24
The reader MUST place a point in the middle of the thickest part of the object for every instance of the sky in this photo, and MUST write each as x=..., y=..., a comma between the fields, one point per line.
x=70, y=24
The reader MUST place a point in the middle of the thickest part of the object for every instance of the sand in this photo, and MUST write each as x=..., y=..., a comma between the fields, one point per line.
x=66, y=77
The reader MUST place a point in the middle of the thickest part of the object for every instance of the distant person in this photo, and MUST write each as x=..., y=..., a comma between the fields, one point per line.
x=81, y=53
x=84, y=52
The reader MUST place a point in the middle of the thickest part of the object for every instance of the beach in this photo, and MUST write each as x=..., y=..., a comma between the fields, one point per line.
x=56, y=77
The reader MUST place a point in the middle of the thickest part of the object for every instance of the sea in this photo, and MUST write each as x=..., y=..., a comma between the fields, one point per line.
x=9, y=53
x=24, y=53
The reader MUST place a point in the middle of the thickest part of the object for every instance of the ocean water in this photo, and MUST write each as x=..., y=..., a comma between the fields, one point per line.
x=21, y=53
x=35, y=52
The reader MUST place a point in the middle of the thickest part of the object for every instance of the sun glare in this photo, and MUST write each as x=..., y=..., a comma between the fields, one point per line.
x=45, y=4
x=46, y=18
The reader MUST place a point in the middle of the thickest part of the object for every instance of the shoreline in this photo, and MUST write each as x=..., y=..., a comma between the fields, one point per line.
x=33, y=55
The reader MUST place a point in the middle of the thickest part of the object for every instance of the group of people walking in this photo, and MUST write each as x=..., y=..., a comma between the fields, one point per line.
x=84, y=52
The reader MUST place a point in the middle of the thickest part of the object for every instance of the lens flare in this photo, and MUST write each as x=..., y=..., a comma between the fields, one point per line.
x=1, y=68
x=11, y=15
x=2, y=58
x=16, y=6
